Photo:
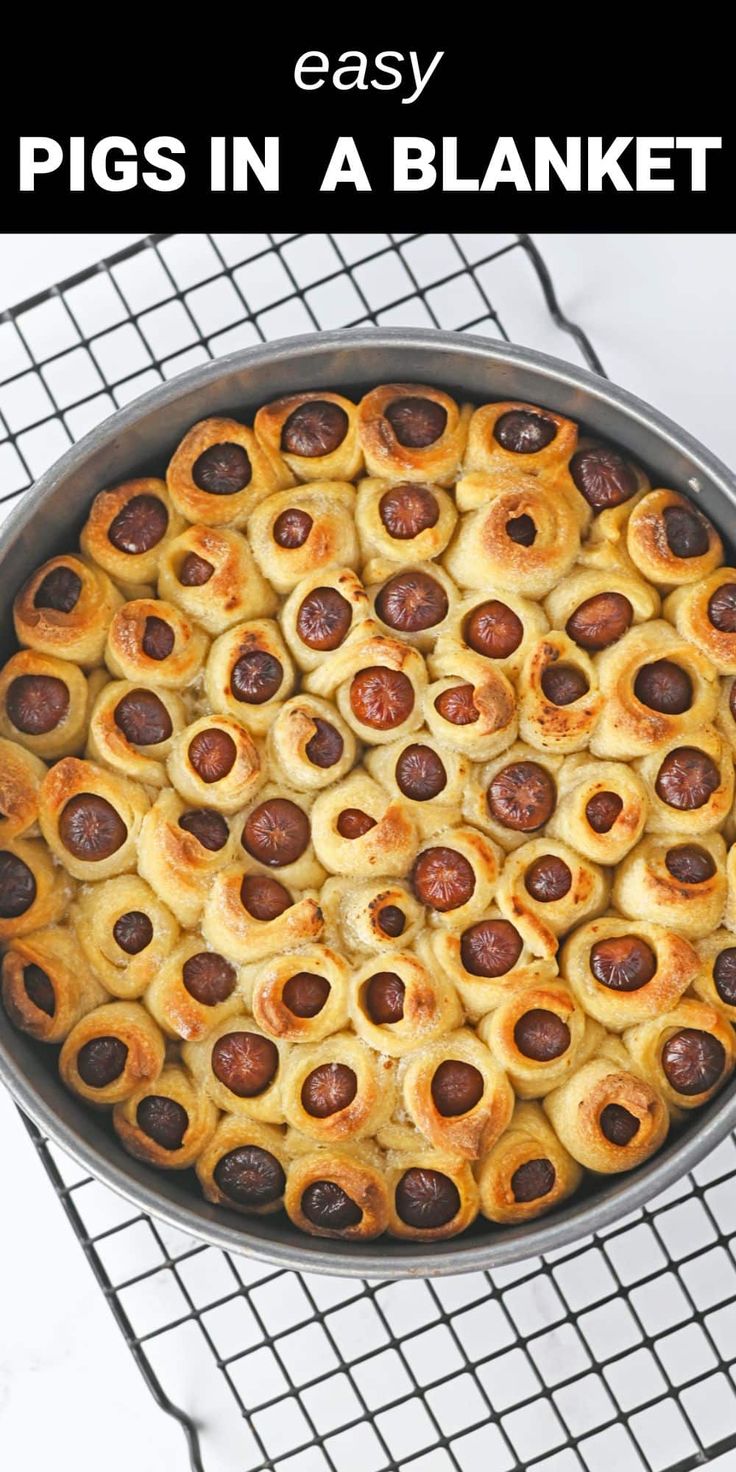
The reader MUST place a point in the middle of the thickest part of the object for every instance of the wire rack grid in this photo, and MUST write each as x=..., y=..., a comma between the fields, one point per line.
x=615, y=1355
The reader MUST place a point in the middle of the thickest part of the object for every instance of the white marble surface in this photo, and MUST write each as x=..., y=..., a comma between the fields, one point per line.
x=662, y=312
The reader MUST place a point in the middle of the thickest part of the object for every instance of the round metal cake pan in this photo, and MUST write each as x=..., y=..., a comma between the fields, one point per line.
x=139, y=440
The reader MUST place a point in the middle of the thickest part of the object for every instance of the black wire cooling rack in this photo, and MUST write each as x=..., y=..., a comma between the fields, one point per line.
x=615, y=1355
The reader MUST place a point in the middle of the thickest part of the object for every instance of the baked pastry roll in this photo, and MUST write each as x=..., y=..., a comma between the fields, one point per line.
x=457, y=1095
x=111, y=1052
x=539, y=1035
x=179, y=849
x=676, y=882
x=486, y=962
x=705, y=613
x=686, y=1053
x=338, y=1089
x=432, y=1193
x=527, y=1172
x=243, y=1165
x=125, y=931
x=455, y=876
x=65, y=609
x=607, y=1116
x=45, y=704
x=309, y=746
x=412, y=603
x=402, y=521
x=496, y=630
x=34, y=891
x=298, y=532
x=625, y=972
x=378, y=683
x=250, y=916
x=357, y=828
x=211, y=574
x=716, y=978
x=193, y=991
x=320, y=613
x=513, y=797
x=560, y=701
x=512, y=435
x=409, y=431
x=249, y=673
x=132, y=728
x=654, y=686
x=127, y=530
x=214, y=763
x=671, y=541
x=430, y=779
x=377, y=915
x=315, y=433
x=596, y=607
x=91, y=818
x=601, y=808
x=274, y=832
x=302, y=997
x=220, y=471
x=339, y=1192
x=240, y=1069
x=610, y=482
x=21, y=775
x=156, y=643
x=522, y=535
x=546, y=888
x=689, y=783
x=398, y=1009
x=469, y=709
x=45, y=988
x=167, y=1124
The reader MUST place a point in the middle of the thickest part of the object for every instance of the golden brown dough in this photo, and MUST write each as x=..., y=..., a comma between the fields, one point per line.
x=296, y=533
x=240, y=1069
x=705, y=613
x=674, y=881
x=432, y=1193
x=513, y=435
x=378, y=683
x=607, y=1116
x=168, y=1123
x=457, y=1095
x=320, y=613
x=358, y=829
x=45, y=986
x=671, y=541
x=596, y=606
x=215, y=763
x=375, y=915
x=716, y=978
x=726, y=712
x=21, y=775
x=111, y=1052
x=309, y=745
x=560, y=702
x=243, y=1166
x=398, y=1004
x=34, y=891
x=414, y=603
x=126, y=933
x=401, y=522
x=45, y=704
x=409, y=431
x=486, y=962
x=689, y=782
x=496, y=630
x=132, y=728
x=194, y=990
x=156, y=643
x=316, y=433
x=422, y=773
x=91, y=818
x=250, y=916
x=527, y=1172
x=211, y=574
x=601, y=809
x=220, y=471
x=455, y=875
x=65, y=609
x=520, y=536
x=686, y=1054
x=249, y=674
x=654, y=686
x=274, y=833
x=546, y=888
x=338, y=1089
x=127, y=531
x=539, y=1035
x=624, y=972
x=339, y=1192
x=302, y=997
x=470, y=708
x=611, y=484
x=179, y=849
